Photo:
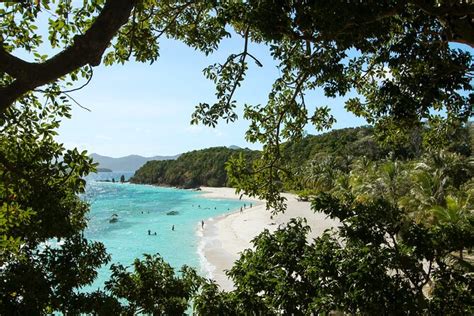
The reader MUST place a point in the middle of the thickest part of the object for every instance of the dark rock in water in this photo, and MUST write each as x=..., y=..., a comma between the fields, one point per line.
x=172, y=213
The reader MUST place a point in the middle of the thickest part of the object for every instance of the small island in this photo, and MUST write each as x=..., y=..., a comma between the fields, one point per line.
x=104, y=170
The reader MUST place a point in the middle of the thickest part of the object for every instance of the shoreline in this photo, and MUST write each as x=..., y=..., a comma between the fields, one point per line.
x=224, y=237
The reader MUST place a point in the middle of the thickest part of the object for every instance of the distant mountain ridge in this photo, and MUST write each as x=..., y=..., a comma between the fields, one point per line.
x=127, y=163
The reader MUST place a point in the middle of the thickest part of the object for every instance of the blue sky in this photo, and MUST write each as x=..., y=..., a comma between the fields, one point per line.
x=146, y=109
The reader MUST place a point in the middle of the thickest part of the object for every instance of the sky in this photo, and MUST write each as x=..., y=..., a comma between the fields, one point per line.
x=146, y=109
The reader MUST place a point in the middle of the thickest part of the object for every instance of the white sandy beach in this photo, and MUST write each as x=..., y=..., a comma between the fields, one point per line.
x=225, y=237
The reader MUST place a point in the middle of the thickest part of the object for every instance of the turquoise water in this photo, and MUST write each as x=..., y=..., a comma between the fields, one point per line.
x=140, y=208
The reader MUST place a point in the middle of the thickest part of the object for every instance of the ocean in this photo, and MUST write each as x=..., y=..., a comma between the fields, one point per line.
x=142, y=208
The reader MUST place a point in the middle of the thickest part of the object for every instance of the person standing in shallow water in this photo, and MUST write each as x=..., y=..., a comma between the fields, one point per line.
x=202, y=224
x=172, y=228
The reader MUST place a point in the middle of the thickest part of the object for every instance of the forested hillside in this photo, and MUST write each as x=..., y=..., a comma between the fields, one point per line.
x=200, y=167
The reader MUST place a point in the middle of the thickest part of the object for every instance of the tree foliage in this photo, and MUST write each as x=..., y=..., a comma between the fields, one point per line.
x=44, y=258
x=153, y=288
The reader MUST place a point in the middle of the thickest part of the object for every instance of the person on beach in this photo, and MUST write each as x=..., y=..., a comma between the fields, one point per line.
x=202, y=224
x=250, y=205
x=244, y=205
x=241, y=209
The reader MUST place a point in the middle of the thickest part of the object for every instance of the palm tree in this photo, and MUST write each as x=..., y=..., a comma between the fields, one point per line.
x=383, y=180
x=321, y=174
x=455, y=212
x=438, y=175
x=360, y=177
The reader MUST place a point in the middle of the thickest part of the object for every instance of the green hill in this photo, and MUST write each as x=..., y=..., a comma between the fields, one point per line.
x=200, y=167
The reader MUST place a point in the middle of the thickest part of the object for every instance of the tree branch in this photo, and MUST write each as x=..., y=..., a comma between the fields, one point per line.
x=457, y=18
x=87, y=49
x=460, y=8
